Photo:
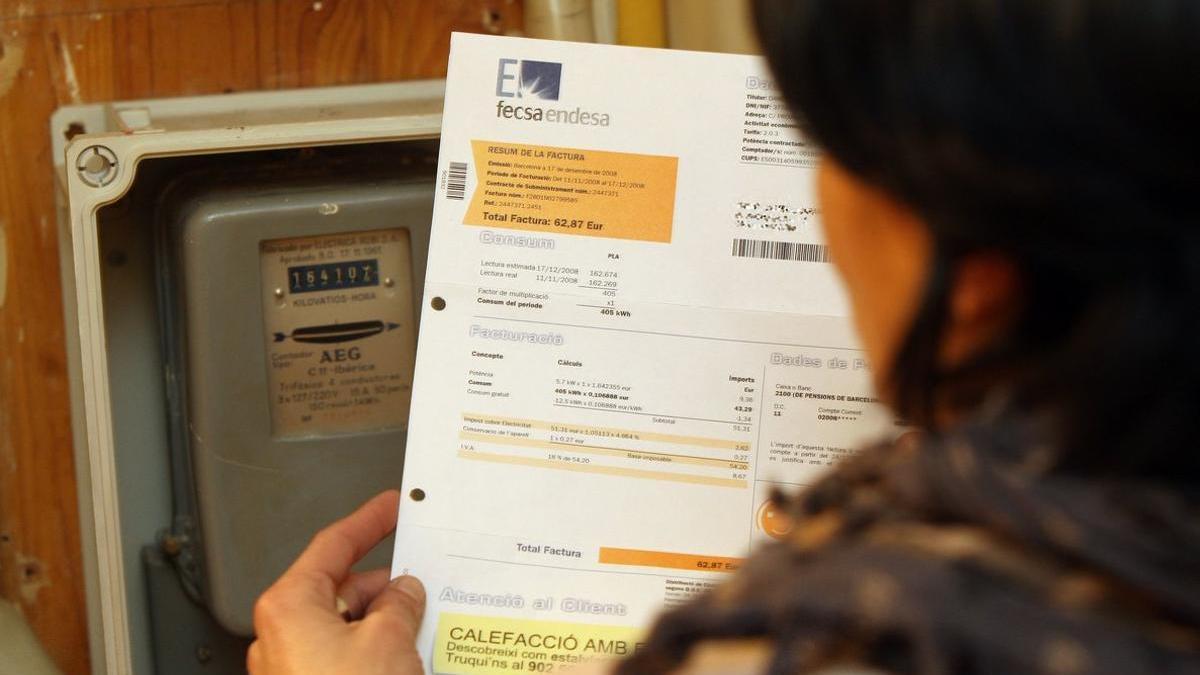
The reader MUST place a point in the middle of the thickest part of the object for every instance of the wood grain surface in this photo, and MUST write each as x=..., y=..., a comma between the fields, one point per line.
x=59, y=52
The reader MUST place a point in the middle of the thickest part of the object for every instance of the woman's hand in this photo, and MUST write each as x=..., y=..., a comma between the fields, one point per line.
x=320, y=618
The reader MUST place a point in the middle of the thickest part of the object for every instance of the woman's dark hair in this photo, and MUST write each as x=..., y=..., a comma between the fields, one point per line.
x=1061, y=134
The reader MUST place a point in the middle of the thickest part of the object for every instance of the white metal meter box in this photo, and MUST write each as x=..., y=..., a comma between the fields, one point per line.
x=242, y=280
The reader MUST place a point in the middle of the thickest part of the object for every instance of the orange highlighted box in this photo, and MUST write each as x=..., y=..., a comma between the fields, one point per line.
x=675, y=561
x=590, y=193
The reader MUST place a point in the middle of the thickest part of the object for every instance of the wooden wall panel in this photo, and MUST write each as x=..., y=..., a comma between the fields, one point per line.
x=57, y=52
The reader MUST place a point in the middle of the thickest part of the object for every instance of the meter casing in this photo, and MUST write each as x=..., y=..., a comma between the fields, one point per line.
x=192, y=496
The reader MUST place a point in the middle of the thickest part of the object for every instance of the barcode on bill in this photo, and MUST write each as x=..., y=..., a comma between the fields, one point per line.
x=456, y=180
x=780, y=250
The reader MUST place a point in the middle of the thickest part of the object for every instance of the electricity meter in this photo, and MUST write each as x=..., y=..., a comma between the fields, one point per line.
x=244, y=273
x=289, y=332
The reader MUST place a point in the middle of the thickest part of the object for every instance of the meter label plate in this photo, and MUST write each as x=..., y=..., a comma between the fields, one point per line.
x=340, y=331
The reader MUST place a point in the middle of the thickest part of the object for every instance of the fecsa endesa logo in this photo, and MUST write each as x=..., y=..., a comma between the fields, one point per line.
x=523, y=86
x=528, y=79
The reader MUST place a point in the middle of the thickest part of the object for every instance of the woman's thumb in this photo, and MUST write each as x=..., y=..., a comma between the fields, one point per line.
x=402, y=604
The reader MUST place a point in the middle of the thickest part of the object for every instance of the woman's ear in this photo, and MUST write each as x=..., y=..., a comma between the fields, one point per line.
x=985, y=294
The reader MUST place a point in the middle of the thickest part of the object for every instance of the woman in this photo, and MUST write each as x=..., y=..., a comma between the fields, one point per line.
x=1010, y=191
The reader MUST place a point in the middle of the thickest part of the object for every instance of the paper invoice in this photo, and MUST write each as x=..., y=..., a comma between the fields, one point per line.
x=631, y=333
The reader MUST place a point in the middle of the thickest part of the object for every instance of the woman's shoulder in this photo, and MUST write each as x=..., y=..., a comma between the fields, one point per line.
x=937, y=549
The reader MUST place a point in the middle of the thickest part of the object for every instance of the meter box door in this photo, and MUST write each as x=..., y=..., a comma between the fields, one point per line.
x=243, y=274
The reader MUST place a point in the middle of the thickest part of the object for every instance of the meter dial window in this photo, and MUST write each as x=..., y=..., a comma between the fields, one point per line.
x=340, y=332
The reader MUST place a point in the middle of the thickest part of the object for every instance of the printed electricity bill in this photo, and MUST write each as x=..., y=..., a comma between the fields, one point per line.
x=631, y=334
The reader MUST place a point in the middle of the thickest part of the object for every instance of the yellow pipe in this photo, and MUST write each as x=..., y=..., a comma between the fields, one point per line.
x=641, y=23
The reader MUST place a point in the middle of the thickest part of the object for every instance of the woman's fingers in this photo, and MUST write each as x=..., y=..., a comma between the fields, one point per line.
x=307, y=592
x=357, y=592
x=298, y=622
x=337, y=547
